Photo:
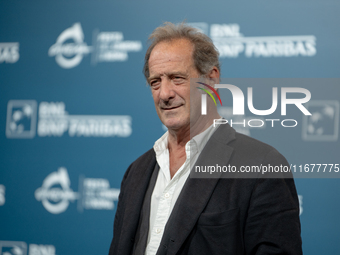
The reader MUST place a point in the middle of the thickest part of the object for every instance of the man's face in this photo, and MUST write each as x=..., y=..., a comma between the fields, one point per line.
x=171, y=66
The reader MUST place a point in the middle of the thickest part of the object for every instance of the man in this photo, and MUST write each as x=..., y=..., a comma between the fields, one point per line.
x=161, y=210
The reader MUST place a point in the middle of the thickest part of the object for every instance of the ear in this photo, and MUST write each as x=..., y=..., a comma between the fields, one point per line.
x=214, y=74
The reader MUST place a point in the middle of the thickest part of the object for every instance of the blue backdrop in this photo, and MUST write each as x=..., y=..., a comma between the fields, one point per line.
x=75, y=110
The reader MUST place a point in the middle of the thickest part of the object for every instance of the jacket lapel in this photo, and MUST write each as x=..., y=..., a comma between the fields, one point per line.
x=196, y=192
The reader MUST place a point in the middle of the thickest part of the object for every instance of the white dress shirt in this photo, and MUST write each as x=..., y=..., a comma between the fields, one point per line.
x=167, y=189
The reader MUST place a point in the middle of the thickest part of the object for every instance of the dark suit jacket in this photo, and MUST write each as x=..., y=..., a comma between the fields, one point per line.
x=217, y=215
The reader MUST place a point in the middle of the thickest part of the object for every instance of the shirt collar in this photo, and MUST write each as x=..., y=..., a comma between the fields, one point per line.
x=195, y=145
x=161, y=144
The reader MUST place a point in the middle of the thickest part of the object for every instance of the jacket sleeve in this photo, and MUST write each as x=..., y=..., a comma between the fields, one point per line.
x=117, y=226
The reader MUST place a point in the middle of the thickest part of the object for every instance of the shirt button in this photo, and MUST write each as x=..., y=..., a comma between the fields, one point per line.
x=166, y=195
x=158, y=230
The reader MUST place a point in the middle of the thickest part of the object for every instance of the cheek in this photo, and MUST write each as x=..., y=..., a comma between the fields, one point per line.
x=155, y=97
x=195, y=98
x=195, y=103
x=185, y=94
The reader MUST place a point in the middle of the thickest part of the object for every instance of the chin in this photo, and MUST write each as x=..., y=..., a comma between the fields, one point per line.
x=175, y=124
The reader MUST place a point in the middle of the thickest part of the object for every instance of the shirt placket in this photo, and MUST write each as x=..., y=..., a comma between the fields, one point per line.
x=162, y=214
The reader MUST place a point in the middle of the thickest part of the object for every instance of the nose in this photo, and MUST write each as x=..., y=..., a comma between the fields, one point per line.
x=166, y=90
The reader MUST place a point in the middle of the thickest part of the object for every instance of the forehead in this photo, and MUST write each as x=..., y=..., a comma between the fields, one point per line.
x=171, y=52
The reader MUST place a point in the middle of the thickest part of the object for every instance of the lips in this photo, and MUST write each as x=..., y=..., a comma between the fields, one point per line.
x=171, y=108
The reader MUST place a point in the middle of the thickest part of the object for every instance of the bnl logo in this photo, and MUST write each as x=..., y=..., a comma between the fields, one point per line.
x=13, y=248
x=238, y=99
x=20, y=248
x=21, y=118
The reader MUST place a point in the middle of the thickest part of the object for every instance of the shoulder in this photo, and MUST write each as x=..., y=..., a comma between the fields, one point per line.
x=243, y=146
x=252, y=150
x=145, y=158
x=243, y=142
x=140, y=164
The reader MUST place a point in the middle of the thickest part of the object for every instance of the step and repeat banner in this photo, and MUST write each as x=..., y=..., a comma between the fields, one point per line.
x=75, y=109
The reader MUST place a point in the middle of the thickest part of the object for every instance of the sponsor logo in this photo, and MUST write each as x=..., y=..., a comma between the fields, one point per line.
x=2, y=195
x=231, y=43
x=13, y=248
x=97, y=194
x=94, y=193
x=54, y=120
x=20, y=248
x=55, y=192
x=323, y=125
x=41, y=249
x=70, y=54
x=9, y=52
x=21, y=118
x=110, y=46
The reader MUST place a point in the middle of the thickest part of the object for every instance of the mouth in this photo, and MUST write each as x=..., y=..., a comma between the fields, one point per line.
x=171, y=108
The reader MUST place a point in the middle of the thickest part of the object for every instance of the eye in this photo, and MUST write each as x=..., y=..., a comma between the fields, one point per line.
x=178, y=79
x=154, y=84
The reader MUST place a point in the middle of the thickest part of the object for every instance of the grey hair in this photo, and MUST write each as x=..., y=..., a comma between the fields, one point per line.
x=205, y=54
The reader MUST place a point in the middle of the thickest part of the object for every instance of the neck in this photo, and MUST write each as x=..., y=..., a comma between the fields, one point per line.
x=177, y=139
